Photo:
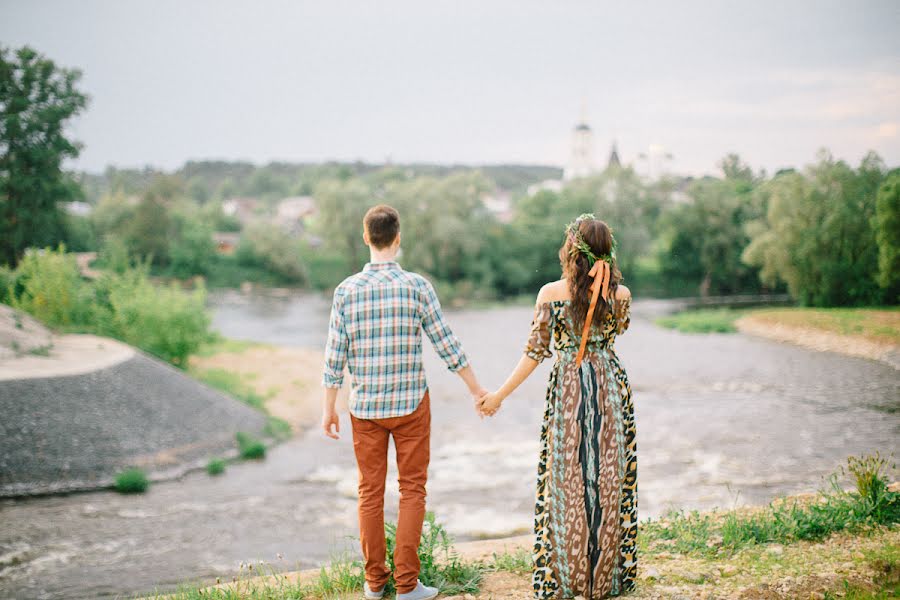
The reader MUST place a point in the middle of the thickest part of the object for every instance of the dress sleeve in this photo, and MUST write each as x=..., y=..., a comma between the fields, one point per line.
x=623, y=313
x=538, y=347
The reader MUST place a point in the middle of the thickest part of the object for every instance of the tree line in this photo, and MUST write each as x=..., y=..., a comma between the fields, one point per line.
x=828, y=234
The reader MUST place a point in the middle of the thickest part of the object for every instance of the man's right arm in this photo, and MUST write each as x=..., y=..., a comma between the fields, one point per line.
x=335, y=360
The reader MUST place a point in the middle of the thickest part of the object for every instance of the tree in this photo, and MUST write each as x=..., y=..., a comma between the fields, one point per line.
x=342, y=206
x=887, y=235
x=37, y=99
x=817, y=235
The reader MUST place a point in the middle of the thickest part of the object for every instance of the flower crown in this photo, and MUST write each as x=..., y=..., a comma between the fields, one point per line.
x=579, y=245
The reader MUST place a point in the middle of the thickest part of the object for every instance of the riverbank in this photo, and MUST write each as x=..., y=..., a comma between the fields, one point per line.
x=862, y=332
x=283, y=381
x=701, y=555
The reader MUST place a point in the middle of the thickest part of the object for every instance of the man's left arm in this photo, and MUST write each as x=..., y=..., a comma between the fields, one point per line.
x=446, y=344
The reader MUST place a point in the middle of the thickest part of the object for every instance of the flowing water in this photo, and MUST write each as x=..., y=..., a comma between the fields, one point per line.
x=722, y=420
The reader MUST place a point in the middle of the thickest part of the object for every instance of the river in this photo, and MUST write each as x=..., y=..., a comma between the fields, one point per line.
x=723, y=420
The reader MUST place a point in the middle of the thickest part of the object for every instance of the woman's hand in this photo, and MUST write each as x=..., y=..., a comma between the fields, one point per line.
x=490, y=403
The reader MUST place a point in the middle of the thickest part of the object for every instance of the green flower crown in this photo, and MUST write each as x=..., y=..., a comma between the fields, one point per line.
x=579, y=245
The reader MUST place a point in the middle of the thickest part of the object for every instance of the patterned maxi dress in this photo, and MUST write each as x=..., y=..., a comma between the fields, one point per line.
x=586, y=504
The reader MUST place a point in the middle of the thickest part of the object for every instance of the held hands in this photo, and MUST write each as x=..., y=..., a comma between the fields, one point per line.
x=490, y=404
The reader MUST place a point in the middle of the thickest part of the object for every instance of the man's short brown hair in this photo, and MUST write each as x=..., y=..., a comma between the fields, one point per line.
x=382, y=223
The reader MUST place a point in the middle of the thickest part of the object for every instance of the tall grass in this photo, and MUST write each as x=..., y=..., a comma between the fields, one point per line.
x=831, y=511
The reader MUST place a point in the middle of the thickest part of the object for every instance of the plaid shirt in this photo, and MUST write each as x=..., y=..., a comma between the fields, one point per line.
x=376, y=329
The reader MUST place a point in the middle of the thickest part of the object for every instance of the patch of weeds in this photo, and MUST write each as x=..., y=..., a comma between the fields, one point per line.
x=703, y=320
x=250, y=447
x=233, y=385
x=132, y=481
x=216, y=466
x=512, y=562
x=277, y=428
x=684, y=532
x=441, y=567
x=41, y=350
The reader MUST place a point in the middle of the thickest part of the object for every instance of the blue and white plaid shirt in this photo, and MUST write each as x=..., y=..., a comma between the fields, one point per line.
x=376, y=327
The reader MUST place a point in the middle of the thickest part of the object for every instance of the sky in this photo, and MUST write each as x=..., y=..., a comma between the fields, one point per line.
x=482, y=82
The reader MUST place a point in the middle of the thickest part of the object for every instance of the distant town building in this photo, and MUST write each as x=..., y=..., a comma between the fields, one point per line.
x=499, y=204
x=551, y=185
x=581, y=157
x=243, y=209
x=614, y=157
x=78, y=208
x=292, y=213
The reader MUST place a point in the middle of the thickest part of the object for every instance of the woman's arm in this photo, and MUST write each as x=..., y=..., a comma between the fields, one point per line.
x=490, y=403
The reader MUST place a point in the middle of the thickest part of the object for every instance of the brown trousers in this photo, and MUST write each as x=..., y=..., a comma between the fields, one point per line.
x=412, y=436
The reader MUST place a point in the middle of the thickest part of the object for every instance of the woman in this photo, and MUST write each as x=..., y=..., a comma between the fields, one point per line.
x=586, y=505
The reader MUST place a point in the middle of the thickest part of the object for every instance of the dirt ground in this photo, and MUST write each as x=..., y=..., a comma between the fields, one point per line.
x=289, y=379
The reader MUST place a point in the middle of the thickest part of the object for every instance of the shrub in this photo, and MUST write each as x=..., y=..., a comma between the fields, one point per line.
x=132, y=481
x=249, y=446
x=48, y=285
x=216, y=466
x=162, y=320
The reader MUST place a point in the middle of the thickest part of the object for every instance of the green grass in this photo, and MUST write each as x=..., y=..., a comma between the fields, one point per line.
x=220, y=344
x=344, y=575
x=833, y=510
x=876, y=324
x=277, y=428
x=250, y=448
x=216, y=466
x=707, y=320
x=512, y=562
x=232, y=384
x=132, y=481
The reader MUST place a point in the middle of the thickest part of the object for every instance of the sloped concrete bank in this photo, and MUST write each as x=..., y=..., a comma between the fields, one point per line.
x=69, y=427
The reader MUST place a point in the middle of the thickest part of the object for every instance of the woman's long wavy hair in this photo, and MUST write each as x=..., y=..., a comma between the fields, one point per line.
x=575, y=267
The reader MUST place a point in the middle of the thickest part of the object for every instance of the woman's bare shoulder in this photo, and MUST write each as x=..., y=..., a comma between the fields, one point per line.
x=553, y=291
x=622, y=292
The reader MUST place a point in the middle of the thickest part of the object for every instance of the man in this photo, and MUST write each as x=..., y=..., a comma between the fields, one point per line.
x=376, y=325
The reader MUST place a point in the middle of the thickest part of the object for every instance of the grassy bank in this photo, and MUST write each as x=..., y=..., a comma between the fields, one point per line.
x=876, y=325
x=831, y=544
x=280, y=381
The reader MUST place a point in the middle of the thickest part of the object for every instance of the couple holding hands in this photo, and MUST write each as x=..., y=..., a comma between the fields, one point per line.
x=585, y=523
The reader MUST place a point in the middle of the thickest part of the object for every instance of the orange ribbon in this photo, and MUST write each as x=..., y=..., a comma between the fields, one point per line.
x=598, y=287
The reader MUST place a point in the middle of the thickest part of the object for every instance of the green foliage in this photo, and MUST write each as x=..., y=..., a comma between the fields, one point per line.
x=817, y=235
x=250, y=447
x=132, y=481
x=887, y=235
x=163, y=320
x=232, y=384
x=717, y=320
x=48, y=286
x=271, y=248
x=37, y=101
x=833, y=510
x=192, y=250
x=277, y=428
x=215, y=466
x=440, y=566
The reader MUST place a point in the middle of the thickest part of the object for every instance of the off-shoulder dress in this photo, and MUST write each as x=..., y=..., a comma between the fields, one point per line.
x=586, y=503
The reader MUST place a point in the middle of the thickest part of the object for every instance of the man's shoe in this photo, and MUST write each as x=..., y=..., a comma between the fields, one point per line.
x=370, y=595
x=422, y=592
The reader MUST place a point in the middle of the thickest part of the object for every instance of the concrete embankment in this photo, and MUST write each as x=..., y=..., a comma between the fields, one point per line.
x=77, y=409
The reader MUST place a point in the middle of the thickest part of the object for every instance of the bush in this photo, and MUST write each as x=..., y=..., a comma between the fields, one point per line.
x=132, y=481
x=250, y=447
x=271, y=248
x=714, y=320
x=216, y=466
x=163, y=320
x=49, y=286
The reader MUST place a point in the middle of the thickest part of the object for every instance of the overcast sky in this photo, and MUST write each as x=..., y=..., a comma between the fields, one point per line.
x=473, y=82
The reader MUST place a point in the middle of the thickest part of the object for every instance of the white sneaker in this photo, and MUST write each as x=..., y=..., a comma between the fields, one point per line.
x=370, y=595
x=422, y=592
